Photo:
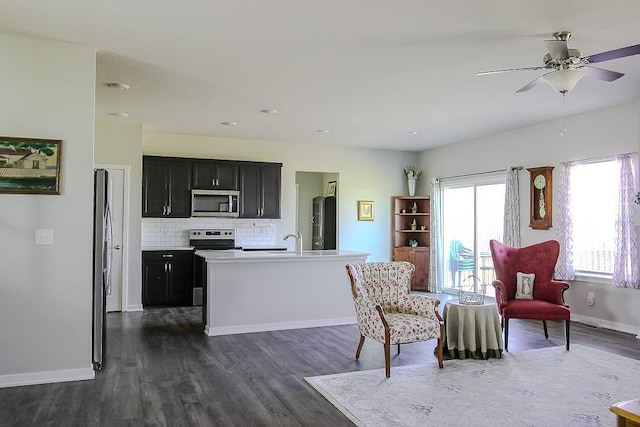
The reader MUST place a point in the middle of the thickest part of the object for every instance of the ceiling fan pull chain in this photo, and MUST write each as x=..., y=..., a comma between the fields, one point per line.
x=563, y=126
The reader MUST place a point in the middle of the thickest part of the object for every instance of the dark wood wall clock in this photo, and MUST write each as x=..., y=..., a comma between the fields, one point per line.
x=541, y=201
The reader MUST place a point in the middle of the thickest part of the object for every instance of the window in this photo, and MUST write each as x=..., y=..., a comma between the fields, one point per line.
x=595, y=228
x=594, y=192
x=472, y=214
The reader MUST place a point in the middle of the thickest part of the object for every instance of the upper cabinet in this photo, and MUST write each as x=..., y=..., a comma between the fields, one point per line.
x=260, y=190
x=166, y=187
x=215, y=175
x=167, y=184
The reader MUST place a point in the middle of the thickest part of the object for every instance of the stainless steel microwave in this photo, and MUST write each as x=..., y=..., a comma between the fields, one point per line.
x=215, y=203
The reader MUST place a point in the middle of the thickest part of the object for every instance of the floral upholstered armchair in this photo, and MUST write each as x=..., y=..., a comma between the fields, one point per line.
x=387, y=312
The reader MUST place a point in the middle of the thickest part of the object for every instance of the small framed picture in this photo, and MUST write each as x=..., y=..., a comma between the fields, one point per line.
x=366, y=210
x=30, y=166
x=331, y=189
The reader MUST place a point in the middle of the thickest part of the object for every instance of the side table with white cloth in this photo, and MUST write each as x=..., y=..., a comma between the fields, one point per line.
x=472, y=330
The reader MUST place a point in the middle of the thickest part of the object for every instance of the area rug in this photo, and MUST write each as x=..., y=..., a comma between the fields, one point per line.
x=544, y=387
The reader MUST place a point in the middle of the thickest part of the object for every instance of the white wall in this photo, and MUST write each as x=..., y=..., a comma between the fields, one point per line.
x=364, y=175
x=597, y=134
x=121, y=144
x=47, y=91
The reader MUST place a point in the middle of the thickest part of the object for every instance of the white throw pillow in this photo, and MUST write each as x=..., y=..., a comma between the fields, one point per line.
x=524, y=285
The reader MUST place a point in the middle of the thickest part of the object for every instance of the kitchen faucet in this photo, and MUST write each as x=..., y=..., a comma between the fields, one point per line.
x=298, y=238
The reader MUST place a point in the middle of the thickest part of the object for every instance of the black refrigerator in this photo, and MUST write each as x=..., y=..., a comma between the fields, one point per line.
x=324, y=223
x=101, y=264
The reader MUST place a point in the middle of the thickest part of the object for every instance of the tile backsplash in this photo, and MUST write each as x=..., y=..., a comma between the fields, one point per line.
x=174, y=232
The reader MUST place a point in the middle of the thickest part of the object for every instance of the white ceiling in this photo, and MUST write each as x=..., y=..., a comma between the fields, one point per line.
x=370, y=71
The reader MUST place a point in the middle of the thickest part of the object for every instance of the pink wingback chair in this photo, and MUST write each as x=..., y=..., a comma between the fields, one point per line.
x=548, y=294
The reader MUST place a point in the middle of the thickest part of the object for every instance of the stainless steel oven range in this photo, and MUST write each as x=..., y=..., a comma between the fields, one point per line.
x=208, y=239
x=213, y=238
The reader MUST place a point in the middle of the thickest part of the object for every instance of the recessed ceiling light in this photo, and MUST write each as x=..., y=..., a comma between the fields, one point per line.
x=412, y=132
x=323, y=130
x=119, y=114
x=120, y=86
x=269, y=111
x=229, y=123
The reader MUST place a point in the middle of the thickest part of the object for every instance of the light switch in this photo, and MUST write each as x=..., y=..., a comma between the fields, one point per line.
x=44, y=237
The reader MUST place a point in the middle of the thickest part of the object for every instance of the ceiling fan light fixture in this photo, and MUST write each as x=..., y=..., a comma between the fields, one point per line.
x=564, y=81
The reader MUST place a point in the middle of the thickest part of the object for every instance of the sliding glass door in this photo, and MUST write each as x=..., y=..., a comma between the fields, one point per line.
x=472, y=214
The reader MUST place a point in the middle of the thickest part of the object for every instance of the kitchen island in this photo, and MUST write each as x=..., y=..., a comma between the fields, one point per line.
x=276, y=290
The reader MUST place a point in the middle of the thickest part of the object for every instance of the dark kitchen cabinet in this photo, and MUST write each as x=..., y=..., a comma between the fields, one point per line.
x=167, y=278
x=215, y=175
x=166, y=187
x=260, y=190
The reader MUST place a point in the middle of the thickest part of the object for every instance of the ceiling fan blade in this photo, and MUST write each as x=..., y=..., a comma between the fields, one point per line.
x=614, y=54
x=557, y=49
x=484, y=73
x=533, y=84
x=602, y=74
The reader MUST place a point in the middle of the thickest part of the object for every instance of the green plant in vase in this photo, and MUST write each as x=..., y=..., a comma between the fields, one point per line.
x=413, y=176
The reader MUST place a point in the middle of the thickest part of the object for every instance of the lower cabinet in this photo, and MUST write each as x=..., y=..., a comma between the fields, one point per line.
x=419, y=257
x=167, y=278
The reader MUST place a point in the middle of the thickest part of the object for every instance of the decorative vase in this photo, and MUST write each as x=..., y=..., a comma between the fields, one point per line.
x=412, y=186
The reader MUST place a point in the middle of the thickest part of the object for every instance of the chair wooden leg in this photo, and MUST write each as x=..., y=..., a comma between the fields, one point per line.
x=398, y=348
x=387, y=359
x=440, y=348
x=566, y=332
x=546, y=333
x=506, y=333
x=359, y=347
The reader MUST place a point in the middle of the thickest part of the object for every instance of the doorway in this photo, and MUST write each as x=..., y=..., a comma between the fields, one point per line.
x=117, y=199
x=472, y=215
x=312, y=185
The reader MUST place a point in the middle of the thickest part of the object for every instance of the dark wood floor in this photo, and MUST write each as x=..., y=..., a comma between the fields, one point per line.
x=162, y=370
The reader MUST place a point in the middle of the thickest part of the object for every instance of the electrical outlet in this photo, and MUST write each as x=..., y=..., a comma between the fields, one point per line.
x=44, y=237
x=590, y=298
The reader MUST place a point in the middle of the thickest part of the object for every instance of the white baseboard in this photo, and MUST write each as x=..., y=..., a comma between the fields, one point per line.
x=136, y=307
x=592, y=321
x=264, y=327
x=47, y=377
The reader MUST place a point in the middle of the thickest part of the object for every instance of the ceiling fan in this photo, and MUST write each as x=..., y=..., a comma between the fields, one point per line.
x=568, y=66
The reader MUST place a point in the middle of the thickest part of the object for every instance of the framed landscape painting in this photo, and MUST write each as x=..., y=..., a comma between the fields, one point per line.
x=30, y=166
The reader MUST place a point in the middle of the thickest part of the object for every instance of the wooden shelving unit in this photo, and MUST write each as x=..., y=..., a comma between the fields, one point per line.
x=411, y=220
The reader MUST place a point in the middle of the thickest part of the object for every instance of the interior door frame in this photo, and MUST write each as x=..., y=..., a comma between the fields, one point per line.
x=124, y=292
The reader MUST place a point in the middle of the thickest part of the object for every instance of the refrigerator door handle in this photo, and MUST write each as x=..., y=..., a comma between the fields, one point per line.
x=108, y=244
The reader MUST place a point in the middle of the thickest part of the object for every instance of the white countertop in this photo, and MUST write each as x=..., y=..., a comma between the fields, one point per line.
x=238, y=255
x=168, y=248
x=190, y=248
x=263, y=248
